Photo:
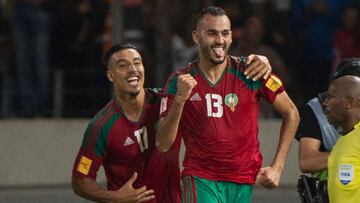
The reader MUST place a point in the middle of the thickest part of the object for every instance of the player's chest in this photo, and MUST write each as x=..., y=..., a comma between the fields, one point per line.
x=226, y=96
x=130, y=141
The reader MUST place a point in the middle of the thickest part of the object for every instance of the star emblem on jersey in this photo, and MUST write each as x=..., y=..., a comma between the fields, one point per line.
x=128, y=142
x=231, y=100
x=195, y=97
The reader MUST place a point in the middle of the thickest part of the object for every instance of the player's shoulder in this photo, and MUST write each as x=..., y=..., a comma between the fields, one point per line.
x=154, y=95
x=237, y=62
x=108, y=112
x=237, y=59
x=190, y=68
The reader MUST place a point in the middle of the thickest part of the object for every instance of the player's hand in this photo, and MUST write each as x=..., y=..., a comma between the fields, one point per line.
x=269, y=177
x=128, y=194
x=257, y=66
x=185, y=84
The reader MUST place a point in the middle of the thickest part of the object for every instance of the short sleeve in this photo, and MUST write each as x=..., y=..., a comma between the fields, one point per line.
x=309, y=126
x=86, y=164
x=165, y=105
x=171, y=84
x=271, y=87
x=88, y=159
x=169, y=93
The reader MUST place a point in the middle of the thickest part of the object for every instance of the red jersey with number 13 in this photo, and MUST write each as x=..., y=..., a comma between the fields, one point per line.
x=219, y=122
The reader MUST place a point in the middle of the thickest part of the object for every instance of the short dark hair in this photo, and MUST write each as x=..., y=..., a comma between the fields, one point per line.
x=114, y=49
x=348, y=66
x=212, y=10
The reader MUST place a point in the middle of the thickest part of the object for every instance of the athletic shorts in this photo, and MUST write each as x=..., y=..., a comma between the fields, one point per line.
x=200, y=190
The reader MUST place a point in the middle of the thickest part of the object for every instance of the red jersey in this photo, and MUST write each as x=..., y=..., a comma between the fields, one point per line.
x=123, y=147
x=163, y=174
x=219, y=123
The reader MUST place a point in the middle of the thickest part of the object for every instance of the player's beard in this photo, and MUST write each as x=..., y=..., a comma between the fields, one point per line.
x=209, y=54
x=135, y=93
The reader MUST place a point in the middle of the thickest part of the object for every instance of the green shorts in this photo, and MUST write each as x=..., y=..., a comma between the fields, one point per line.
x=199, y=190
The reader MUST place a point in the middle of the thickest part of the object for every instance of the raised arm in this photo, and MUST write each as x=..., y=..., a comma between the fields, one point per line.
x=89, y=189
x=168, y=125
x=269, y=177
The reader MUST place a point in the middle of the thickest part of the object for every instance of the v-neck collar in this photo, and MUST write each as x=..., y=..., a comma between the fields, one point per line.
x=205, y=78
x=121, y=111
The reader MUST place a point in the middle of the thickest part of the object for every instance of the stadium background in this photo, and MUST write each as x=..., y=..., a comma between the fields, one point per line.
x=37, y=149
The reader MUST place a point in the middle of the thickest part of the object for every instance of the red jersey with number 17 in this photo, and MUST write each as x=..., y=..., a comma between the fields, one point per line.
x=123, y=147
x=219, y=123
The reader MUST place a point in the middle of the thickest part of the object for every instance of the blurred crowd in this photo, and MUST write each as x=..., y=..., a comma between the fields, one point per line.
x=42, y=39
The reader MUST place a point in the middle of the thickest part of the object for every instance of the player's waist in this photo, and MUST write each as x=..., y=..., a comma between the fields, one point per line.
x=241, y=172
x=228, y=176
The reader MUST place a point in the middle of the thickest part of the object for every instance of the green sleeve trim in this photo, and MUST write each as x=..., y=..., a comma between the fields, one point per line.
x=252, y=85
x=194, y=72
x=172, y=86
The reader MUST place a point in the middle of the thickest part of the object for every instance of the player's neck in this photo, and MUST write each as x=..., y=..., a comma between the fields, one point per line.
x=212, y=71
x=131, y=105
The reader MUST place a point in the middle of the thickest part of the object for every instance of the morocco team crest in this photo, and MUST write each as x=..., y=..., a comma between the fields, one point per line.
x=231, y=100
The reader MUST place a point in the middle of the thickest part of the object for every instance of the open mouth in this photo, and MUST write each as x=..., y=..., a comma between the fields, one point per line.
x=219, y=51
x=133, y=81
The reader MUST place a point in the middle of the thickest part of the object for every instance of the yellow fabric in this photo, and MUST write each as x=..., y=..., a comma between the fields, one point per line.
x=344, y=169
x=84, y=165
x=273, y=83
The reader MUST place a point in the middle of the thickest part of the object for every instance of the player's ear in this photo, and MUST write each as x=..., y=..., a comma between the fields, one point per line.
x=195, y=36
x=110, y=75
x=351, y=102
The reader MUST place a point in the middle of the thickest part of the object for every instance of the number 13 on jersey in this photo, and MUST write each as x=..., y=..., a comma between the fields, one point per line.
x=214, y=105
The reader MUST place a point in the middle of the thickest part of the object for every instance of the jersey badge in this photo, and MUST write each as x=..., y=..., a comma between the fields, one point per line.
x=346, y=173
x=231, y=100
x=128, y=142
x=84, y=165
x=195, y=97
x=273, y=83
